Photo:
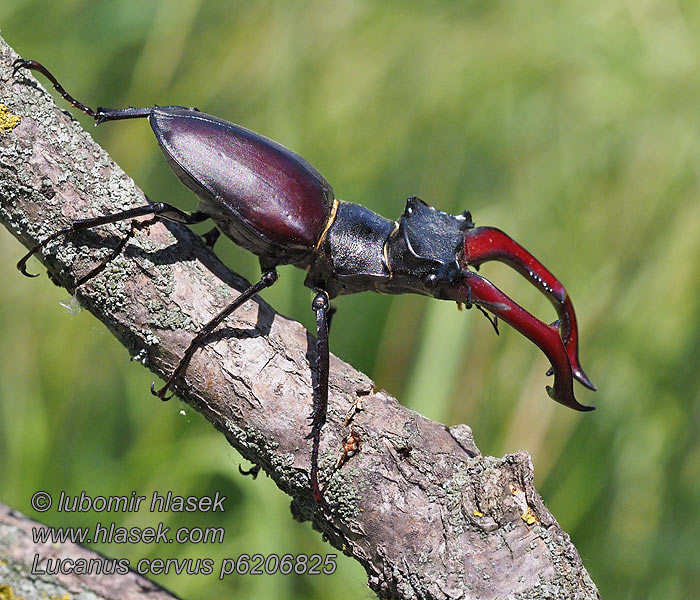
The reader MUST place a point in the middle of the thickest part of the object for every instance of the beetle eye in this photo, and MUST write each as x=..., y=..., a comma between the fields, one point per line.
x=430, y=280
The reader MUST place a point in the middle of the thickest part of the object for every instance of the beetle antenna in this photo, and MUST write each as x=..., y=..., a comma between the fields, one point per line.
x=493, y=320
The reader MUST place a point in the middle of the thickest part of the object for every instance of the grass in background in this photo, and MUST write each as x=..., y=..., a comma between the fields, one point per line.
x=572, y=126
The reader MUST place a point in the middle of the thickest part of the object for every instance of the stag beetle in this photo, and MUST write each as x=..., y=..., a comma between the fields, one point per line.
x=270, y=201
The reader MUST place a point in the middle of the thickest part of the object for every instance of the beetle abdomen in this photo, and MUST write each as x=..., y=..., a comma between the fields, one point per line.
x=269, y=199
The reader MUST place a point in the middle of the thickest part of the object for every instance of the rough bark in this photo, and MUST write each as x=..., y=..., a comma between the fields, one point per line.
x=418, y=506
x=17, y=582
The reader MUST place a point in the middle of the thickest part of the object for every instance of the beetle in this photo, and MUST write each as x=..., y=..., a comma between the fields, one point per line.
x=272, y=202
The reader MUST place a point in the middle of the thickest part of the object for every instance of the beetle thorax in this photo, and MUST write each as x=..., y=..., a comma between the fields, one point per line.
x=363, y=251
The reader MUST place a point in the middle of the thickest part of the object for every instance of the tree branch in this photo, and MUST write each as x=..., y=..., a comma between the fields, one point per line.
x=417, y=506
x=17, y=575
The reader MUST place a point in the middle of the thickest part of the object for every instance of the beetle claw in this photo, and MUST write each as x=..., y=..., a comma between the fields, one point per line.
x=161, y=393
x=22, y=265
x=252, y=472
x=19, y=63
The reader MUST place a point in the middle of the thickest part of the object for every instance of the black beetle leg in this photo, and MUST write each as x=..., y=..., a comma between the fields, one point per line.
x=329, y=316
x=253, y=471
x=100, y=114
x=321, y=306
x=160, y=209
x=117, y=251
x=21, y=63
x=267, y=279
x=211, y=236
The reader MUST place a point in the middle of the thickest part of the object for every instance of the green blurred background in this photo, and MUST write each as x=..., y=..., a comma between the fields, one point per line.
x=573, y=126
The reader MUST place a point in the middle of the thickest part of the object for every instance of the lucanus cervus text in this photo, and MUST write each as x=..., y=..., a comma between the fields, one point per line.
x=272, y=202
